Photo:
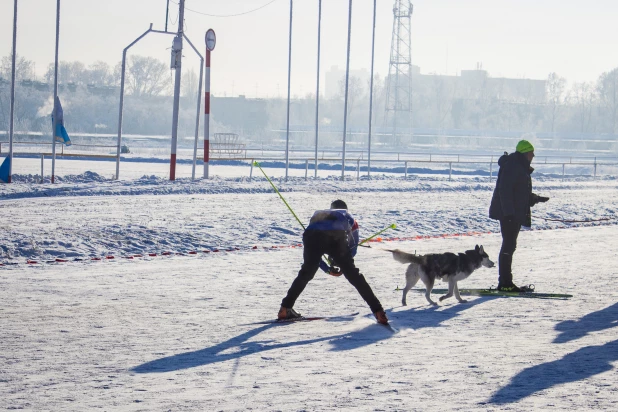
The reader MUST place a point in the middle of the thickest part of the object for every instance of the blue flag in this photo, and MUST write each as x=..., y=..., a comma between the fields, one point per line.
x=4, y=170
x=60, y=134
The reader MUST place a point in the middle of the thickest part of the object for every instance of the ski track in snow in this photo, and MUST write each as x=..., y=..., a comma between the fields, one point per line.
x=169, y=333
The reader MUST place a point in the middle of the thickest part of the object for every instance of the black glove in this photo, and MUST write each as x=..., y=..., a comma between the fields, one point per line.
x=508, y=219
x=542, y=199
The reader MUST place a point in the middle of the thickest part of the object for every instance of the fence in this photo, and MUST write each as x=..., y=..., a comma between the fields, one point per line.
x=438, y=159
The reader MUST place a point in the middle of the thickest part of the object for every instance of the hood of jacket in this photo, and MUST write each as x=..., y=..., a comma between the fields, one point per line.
x=516, y=157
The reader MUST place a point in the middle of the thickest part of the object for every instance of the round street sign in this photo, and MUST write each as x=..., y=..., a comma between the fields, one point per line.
x=211, y=40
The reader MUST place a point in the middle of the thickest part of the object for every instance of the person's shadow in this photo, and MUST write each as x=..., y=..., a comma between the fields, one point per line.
x=581, y=364
x=238, y=347
x=595, y=321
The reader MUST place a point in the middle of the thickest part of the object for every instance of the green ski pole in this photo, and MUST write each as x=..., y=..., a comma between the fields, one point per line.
x=255, y=163
x=393, y=226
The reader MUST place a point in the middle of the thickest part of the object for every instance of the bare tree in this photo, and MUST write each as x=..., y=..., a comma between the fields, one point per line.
x=24, y=69
x=608, y=94
x=355, y=92
x=582, y=96
x=100, y=74
x=555, y=93
x=190, y=84
x=147, y=76
x=68, y=72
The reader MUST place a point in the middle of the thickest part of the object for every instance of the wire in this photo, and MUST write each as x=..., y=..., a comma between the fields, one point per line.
x=227, y=15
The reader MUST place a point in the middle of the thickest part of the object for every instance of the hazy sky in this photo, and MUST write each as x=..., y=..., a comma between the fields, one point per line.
x=511, y=38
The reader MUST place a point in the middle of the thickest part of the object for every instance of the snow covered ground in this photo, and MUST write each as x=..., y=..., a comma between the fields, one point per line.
x=173, y=332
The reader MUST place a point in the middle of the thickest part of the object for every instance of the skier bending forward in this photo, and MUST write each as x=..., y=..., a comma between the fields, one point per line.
x=333, y=232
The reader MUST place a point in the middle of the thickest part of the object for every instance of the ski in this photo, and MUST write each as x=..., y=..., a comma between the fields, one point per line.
x=302, y=319
x=390, y=327
x=495, y=292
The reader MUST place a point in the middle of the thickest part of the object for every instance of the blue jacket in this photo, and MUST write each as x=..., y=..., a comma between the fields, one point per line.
x=513, y=194
x=336, y=220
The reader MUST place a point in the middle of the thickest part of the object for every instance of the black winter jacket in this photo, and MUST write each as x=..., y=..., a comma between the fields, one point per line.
x=513, y=194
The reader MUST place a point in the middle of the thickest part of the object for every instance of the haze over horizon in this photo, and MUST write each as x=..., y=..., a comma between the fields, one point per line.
x=529, y=39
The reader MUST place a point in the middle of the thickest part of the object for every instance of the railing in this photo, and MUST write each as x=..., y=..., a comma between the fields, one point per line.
x=489, y=161
x=62, y=146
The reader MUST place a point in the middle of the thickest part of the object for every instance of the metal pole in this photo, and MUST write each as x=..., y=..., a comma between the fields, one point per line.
x=121, y=106
x=197, y=115
x=167, y=13
x=287, y=135
x=12, y=110
x=347, y=79
x=317, y=93
x=55, y=117
x=373, y=47
x=207, y=116
x=177, y=50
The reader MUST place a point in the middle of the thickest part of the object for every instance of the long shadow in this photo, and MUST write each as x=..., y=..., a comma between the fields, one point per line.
x=238, y=347
x=600, y=320
x=583, y=363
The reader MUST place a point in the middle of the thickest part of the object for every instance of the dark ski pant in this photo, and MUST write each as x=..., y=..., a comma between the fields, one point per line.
x=333, y=243
x=510, y=232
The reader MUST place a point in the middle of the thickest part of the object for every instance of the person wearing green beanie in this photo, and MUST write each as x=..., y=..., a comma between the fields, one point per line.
x=510, y=204
x=524, y=146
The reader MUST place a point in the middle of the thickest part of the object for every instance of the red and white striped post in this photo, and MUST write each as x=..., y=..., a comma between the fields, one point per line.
x=211, y=40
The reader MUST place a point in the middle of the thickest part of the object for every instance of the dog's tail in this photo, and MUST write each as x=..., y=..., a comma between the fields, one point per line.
x=403, y=257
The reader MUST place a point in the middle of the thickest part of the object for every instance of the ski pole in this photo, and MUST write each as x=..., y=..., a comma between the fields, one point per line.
x=255, y=163
x=393, y=226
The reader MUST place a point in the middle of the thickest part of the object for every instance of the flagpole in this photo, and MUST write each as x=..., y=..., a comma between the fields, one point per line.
x=12, y=114
x=55, y=114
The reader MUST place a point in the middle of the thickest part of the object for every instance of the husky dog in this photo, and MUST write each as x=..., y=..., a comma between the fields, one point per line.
x=448, y=267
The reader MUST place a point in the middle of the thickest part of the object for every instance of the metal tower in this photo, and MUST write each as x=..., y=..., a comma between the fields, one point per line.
x=398, y=113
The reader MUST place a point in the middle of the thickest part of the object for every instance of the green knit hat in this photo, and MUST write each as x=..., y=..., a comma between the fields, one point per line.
x=524, y=146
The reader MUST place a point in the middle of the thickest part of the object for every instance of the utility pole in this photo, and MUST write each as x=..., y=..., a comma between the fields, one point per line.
x=176, y=65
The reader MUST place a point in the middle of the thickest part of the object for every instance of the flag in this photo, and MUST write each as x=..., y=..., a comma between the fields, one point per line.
x=4, y=170
x=61, y=134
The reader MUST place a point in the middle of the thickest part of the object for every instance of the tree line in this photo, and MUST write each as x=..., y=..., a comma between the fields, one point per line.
x=438, y=102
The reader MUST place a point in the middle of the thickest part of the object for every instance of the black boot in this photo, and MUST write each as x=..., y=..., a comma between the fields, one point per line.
x=505, y=275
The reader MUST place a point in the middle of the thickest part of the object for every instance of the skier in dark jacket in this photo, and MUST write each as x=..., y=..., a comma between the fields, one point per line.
x=332, y=232
x=510, y=204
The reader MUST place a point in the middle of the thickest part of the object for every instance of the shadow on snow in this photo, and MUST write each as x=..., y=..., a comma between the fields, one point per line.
x=592, y=322
x=238, y=346
x=581, y=364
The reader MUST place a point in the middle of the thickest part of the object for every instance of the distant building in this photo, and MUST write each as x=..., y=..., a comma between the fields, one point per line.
x=471, y=84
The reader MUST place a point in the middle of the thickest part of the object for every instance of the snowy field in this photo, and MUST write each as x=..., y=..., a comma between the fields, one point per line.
x=173, y=332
